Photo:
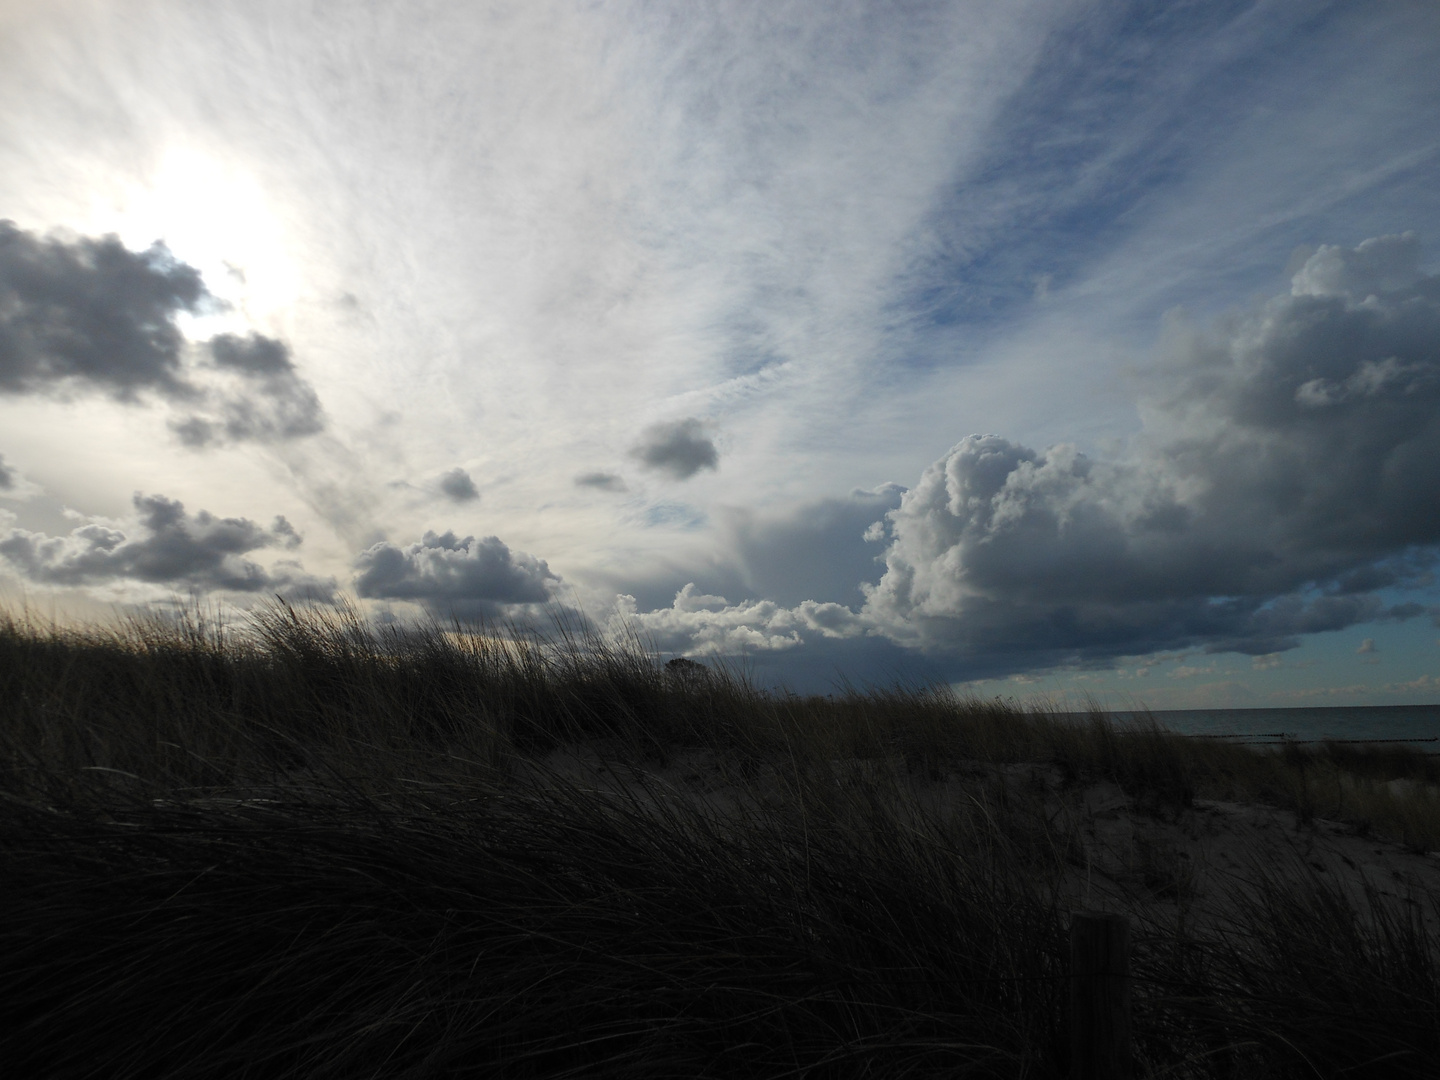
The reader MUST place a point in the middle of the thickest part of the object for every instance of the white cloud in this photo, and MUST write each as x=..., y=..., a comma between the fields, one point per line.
x=703, y=624
x=1007, y=556
x=536, y=228
x=1374, y=267
x=1229, y=510
x=519, y=235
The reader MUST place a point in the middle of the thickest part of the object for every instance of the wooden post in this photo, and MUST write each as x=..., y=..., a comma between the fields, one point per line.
x=1099, y=996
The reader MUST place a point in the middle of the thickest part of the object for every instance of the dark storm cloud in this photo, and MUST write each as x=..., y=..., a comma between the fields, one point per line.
x=457, y=485
x=89, y=312
x=1292, y=467
x=164, y=545
x=603, y=481
x=817, y=550
x=454, y=576
x=679, y=449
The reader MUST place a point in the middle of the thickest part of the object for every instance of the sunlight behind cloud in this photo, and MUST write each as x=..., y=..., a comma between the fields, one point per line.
x=693, y=295
x=214, y=216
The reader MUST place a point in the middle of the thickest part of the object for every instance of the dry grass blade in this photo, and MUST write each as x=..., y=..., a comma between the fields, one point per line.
x=313, y=847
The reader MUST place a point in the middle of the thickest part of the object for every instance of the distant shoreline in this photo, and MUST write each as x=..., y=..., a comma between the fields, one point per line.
x=1307, y=723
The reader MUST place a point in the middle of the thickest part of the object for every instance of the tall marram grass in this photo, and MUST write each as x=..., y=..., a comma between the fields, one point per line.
x=310, y=847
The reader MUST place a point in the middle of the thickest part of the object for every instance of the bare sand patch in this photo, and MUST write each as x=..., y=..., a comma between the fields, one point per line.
x=1111, y=850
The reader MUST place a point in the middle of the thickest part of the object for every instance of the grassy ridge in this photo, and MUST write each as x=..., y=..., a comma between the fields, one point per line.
x=317, y=848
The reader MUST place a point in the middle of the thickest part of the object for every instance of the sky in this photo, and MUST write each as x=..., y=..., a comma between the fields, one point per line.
x=1036, y=347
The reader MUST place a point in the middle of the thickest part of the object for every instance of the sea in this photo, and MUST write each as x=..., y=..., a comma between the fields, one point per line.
x=1418, y=725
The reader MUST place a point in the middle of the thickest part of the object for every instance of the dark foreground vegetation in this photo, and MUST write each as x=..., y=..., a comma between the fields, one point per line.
x=313, y=848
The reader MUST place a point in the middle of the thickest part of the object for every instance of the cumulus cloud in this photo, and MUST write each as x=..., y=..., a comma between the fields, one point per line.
x=162, y=545
x=1288, y=472
x=8, y=476
x=603, y=481
x=1367, y=646
x=90, y=311
x=464, y=577
x=710, y=625
x=806, y=562
x=678, y=449
x=457, y=485
x=1291, y=469
x=82, y=312
x=1380, y=265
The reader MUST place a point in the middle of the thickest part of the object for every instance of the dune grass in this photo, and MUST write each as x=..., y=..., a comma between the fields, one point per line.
x=311, y=847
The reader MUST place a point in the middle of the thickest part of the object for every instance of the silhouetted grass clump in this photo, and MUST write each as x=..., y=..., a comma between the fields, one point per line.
x=311, y=847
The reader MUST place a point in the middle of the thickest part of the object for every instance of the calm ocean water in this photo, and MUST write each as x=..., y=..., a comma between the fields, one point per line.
x=1363, y=723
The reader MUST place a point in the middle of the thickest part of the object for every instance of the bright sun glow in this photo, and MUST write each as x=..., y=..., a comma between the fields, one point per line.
x=216, y=218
